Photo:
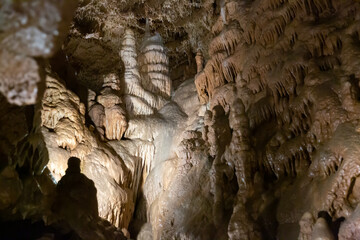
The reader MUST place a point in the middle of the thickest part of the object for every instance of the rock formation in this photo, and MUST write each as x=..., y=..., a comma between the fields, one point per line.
x=139, y=100
x=154, y=66
x=192, y=119
x=106, y=113
x=29, y=30
x=66, y=135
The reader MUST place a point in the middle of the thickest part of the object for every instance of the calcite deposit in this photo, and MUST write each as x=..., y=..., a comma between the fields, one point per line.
x=107, y=113
x=177, y=119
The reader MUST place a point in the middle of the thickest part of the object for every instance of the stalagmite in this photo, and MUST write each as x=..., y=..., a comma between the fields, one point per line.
x=153, y=54
x=106, y=112
x=321, y=231
x=199, y=61
x=306, y=226
x=139, y=101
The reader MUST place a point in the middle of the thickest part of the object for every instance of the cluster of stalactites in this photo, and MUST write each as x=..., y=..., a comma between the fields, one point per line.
x=221, y=68
x=154, y=68
x=138, y=99
x=106, y=110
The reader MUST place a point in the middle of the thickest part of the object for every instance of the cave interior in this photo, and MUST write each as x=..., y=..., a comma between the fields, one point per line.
x=180, y=119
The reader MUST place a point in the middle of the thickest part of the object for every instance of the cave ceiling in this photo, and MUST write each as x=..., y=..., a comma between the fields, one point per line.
x=185, y=27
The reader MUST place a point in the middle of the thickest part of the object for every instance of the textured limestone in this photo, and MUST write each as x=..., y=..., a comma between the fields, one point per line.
x=106, y=112
x=154, y=64
x=63, y=119
x=286, y=76
x=28, y=30
x=142, y=94
x=262, y=140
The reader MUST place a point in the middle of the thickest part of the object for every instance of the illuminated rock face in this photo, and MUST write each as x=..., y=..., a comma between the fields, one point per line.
x=155, y=66
x=261, y=143
x=66, y=135
x=107, y=113
x=139, y=99
x=290, y=70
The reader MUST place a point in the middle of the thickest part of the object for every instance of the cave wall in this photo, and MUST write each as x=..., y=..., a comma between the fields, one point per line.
x=234, y=120
x=295, y=78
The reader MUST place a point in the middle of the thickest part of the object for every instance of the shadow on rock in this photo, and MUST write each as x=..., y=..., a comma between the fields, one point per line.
x=76, y=206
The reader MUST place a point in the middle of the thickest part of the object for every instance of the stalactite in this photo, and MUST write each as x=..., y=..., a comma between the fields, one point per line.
x=226, y=40
x=146, y=152
x=276, y=133
x=223, y=11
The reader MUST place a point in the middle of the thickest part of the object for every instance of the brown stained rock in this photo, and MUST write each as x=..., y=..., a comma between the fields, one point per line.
x=241, y=225
x=108, y=99
x=219, y=69
x=97, y=115
x=112, y=81
x=68, y=137
x=281, y=88
x=258, y=47
x=200, y=82
x=199, y=61
x=107, y=114
x=285, y=74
